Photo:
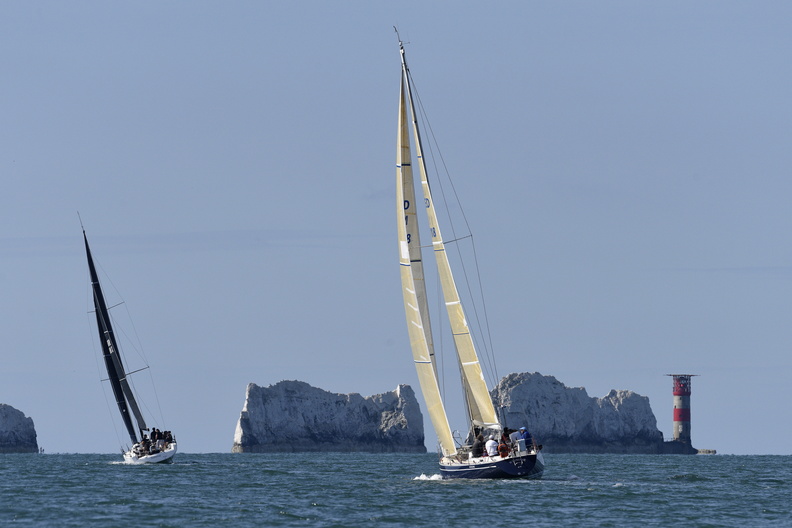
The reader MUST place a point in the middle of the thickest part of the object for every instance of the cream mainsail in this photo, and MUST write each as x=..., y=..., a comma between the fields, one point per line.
x=479, y=404
x=414, y=288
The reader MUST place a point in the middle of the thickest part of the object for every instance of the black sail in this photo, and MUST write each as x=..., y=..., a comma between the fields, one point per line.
x=115, y=369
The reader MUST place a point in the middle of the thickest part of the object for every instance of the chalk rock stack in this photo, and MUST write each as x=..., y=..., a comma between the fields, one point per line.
x=293, y=416
x=568, y=420
x=17, y=434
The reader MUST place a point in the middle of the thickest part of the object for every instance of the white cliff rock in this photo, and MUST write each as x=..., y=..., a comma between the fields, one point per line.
x=293, y=416
x=17, y=434
x=566, y=419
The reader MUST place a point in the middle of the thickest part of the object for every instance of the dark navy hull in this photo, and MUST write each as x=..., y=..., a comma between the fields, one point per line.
x=524, y=466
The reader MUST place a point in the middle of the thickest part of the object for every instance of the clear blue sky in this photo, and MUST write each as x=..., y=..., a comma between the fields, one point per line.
x=625, y=168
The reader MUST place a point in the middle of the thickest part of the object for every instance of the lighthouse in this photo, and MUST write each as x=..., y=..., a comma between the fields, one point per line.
x=682, y=407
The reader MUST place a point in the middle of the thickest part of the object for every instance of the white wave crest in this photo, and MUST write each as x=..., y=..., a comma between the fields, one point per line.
x=436, y=476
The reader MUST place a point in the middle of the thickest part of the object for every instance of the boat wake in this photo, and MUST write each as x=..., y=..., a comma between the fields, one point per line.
x=127, y=463
x=423, y=476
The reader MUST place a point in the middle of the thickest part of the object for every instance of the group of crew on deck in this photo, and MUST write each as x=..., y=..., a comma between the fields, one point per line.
x=502, y=446
x=151, y=446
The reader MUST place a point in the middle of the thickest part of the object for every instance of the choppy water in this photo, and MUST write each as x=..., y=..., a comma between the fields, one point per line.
x=392, y=490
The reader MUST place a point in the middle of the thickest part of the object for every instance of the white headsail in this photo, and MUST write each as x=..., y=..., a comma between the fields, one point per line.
x=482, y=412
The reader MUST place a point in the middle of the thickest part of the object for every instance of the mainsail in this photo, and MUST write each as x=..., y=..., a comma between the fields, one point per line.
x=414, y=287
x=115, y=368
x=479, y=404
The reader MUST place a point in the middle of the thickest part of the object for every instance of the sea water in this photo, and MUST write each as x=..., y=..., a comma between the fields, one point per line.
x=353, y=489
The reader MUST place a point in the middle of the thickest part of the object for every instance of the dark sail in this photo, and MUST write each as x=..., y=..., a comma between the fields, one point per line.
x=115, y=369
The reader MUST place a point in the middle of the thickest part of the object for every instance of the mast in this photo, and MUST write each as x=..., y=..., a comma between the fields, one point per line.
x=125, y=399
x=410, y=213
x=479, y=403
x=412, y=278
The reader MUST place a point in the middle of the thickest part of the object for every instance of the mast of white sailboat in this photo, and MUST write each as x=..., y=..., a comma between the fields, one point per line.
x=410, y=214
x=125, y=399
x=413, y=284
x=479, y=403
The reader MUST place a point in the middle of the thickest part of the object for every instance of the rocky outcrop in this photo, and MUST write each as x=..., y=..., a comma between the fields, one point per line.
x=293, y=416
x=17, y=434
x=568, y=420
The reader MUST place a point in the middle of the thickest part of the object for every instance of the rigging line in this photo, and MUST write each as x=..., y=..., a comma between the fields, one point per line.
x=156, y=398
x=432, y=144
x=108, y=309
x=136, y=346
x=484, y=328
x=116, y=326
x=486, y=346
x=455, y=240
x=141, y=351
x=112, y=418
x=142, y=354
x=138, y=370
x=141, y=401
x=486, y=314
x=446, y=242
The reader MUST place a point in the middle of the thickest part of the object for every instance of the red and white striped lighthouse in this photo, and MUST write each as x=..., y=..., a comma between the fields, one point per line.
x=682, y=407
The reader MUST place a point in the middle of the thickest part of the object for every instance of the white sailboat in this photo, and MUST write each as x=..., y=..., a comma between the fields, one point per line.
x=457, y=460
x=145, y=449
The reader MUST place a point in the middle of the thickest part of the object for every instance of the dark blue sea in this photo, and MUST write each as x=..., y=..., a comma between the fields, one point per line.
x=337, y=489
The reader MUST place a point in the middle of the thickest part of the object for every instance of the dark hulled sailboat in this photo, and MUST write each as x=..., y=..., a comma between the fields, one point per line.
x=517, y=459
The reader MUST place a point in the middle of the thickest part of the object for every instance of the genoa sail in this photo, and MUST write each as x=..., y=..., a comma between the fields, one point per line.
x=479, y=403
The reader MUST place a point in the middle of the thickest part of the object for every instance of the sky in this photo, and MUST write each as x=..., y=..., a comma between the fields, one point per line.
x=624, y=166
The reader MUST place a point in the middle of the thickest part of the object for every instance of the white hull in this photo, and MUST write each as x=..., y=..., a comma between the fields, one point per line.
x=164, y=456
